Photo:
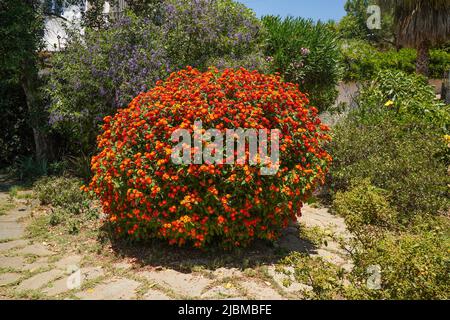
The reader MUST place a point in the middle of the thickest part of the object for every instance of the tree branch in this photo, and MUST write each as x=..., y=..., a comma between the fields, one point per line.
x=52, y=14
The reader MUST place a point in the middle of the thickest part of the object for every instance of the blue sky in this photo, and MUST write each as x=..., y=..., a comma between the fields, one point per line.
x=314, y=9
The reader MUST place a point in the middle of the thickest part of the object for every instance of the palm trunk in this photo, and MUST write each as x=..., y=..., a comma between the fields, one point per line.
x=423, y=58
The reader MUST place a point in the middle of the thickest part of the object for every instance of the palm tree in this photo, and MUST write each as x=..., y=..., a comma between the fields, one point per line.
x=420, y=24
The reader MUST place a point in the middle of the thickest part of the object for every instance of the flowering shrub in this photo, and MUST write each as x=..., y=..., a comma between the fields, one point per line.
x=305, y=53
x=147, y=196
x=203, y=33
x=101, y=70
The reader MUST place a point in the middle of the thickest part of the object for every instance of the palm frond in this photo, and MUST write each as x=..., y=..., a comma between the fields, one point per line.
x=420, y=20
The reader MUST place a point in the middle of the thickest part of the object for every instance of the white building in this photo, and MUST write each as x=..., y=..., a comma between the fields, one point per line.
x=55, y=35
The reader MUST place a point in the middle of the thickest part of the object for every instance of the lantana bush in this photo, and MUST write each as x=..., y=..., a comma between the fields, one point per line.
x=146, y=196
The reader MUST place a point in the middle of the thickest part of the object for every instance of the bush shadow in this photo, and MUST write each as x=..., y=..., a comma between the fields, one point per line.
x=159, y=254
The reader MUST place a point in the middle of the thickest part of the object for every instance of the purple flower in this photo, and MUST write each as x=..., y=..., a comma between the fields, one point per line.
x=55, y=118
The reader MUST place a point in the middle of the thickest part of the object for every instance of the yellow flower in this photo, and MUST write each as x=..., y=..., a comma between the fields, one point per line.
x=229, y=285
x=185, y=219
x=447, y=138
x=389, y=103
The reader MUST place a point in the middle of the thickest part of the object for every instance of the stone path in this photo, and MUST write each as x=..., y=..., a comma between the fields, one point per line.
x=33, y=270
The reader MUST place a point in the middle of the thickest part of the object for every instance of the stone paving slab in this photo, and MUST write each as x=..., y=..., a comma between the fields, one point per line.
x=153, y=294
x=16, y=263
x=11, y=230
x=67, y=283
x=182, y=283
x=39, y=280
x=40, y=263
x=123, y=266
x=36, y=250
x=92, y=273
x=321, y=217
x=57, y=287
x=8, y=278
x=259, y=291
x=227, y=273
x=116, y=289
x=68, y=261
x=5, y=246
x=15, y=215
x=221, y=292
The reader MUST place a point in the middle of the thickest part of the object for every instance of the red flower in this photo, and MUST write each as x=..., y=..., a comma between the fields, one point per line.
x=147, y=196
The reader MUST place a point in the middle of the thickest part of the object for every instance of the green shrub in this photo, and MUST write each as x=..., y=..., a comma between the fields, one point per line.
x=412, y=265
x=364, y=205
x=60, y=192
x=79, y=166
x=354, y=24
x=397, y=158
x=70, y=219
x=363, y=61
x=439, y=63
x=324, y=279
x=28, y=168
x=394, y=138
x=403, y=97
x=15, y=130
x=305, y=53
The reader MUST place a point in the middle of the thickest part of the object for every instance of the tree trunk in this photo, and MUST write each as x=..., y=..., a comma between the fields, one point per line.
x=43, y=150
x=423, y=58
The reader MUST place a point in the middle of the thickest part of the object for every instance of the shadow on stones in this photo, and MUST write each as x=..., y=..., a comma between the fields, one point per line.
x=7, y=181
x=158, y=254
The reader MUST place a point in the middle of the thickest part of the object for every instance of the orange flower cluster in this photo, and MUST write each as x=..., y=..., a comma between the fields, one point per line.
x=145, y=195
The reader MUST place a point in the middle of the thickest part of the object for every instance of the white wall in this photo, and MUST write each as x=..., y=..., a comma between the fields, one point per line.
x=55, y=35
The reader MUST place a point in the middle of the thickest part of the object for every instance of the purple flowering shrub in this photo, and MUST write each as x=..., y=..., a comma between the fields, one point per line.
x=101, y=70
x=202, y=33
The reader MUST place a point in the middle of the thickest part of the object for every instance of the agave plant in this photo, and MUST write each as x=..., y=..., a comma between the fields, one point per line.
x=420, y=24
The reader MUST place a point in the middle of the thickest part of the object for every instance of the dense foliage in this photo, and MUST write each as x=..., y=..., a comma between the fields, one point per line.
x=354, y=24
x=148, y=196
x=363, y=61
x=413, y=265
x=391, y=183
x=71, y=210
x=101, y=70
x=15, y=132
x=206, y=33
x=412, y=260
x=21, y=29
x=395, y=138
x=59, y=191
x=305, y=53
x=364, y=205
